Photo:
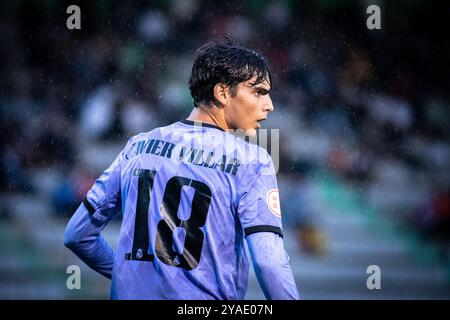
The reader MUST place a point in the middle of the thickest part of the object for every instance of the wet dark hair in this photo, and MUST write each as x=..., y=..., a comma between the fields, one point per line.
x=223, y=61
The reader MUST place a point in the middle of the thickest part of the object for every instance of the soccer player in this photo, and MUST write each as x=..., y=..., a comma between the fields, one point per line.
x=198, y=203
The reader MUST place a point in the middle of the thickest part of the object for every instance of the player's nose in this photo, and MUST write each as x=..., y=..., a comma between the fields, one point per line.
x=268, y=105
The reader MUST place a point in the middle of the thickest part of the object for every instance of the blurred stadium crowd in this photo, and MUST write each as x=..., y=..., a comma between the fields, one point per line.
x=370, y=107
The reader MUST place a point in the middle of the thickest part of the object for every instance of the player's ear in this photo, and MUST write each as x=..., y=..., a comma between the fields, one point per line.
x=221, y=93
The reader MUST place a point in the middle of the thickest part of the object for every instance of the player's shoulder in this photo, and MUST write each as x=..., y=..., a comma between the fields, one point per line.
x=256, y=162
x=253, y=160
x=253, y=154
x=263, y=156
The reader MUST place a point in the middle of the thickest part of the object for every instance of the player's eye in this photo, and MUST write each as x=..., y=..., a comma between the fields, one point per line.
x=261, y=92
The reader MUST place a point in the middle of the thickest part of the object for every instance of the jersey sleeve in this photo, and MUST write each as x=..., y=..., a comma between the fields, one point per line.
x=271, y=265
x=259, y=205
x=103, y=200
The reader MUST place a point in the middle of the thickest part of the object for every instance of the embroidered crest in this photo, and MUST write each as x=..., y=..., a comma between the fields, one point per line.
x=273, y=201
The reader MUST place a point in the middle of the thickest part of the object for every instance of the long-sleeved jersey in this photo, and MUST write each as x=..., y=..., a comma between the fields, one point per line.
x=190, y=194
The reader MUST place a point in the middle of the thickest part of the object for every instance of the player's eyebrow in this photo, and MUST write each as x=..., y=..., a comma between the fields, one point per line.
x=259, y=86
x=261, y=89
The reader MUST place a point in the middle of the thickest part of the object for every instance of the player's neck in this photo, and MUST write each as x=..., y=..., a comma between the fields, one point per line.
x=211, y=115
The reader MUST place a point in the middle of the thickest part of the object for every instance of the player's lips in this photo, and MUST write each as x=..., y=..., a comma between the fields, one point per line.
x=258, y=122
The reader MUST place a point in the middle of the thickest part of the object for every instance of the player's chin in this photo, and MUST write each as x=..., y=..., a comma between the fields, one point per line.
x=250, y=132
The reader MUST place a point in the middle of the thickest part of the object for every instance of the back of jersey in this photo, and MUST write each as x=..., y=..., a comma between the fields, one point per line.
x=189, y=194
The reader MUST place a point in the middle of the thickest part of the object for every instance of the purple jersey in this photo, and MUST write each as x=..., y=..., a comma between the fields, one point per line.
x=189, y=195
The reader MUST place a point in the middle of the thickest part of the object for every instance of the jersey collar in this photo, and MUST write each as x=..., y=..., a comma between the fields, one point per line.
x=199, y=123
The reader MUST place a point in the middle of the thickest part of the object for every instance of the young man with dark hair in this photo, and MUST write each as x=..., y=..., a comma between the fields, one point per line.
x=191, y=194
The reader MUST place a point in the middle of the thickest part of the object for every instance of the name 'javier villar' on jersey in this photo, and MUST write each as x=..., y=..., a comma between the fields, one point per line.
x=189, y=195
